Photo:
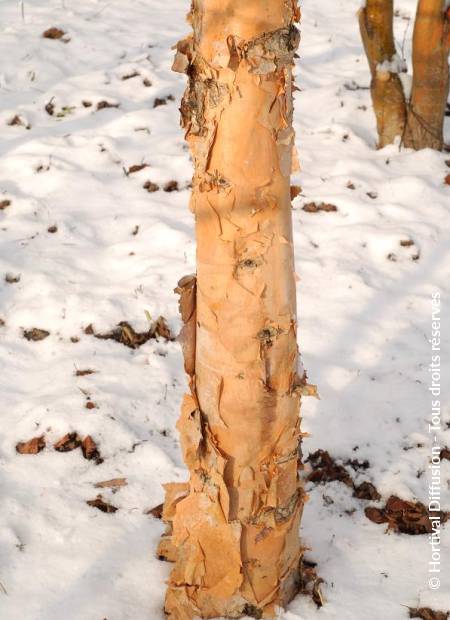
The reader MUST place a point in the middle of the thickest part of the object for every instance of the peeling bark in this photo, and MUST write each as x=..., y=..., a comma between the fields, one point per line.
x=232, y=531
x=376, y=26
x=431, y=77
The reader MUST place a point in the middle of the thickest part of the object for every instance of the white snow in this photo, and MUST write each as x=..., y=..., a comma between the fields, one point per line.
x=406, y=80
x=364, y=310
x=394, y=65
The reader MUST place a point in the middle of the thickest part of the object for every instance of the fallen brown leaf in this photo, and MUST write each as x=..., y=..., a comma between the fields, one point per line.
x=32, y=446
x=151, y=187
x=126, y=335
x=69, y=442
x=90, y=450
x=156, y=512
x=12, y=278
x=113, y=483
x=411, y=518
x=162, y=100
x=310, y=582
x=313, y=207
x=137, y=168
x=16, y=121
x=35, y=334
x=445, y=454
x=161, y=328
x=50, y=107
x=84, y=373
x=325, y=469
x=376, y=515
x=100, y=504
x=295, y=191
x=53, y=33
x=366, y=490
x=159, y=101
x=425, y=613
x=357, y=465
x=102, y=105
x=171, y=186
x=128, y=76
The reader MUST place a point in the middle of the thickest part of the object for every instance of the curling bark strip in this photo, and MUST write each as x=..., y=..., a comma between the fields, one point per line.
x=233, y=529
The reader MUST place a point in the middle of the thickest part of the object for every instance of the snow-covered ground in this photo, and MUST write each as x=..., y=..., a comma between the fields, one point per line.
x=83, y=243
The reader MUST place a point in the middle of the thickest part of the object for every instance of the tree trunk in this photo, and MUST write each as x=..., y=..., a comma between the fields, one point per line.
x=376, y=26
x=430, y=79
x=419, y=122
x=233, y=530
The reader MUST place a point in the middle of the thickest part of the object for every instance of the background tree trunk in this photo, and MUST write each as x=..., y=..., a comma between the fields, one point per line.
x=419, y=122
x=430, y=78
x=376, y=26
x=233, y=530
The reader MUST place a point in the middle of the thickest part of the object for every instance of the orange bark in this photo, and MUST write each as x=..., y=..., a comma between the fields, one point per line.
x=420, y=121
x=376, y=26
x=430, y=79
x=233, y=529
